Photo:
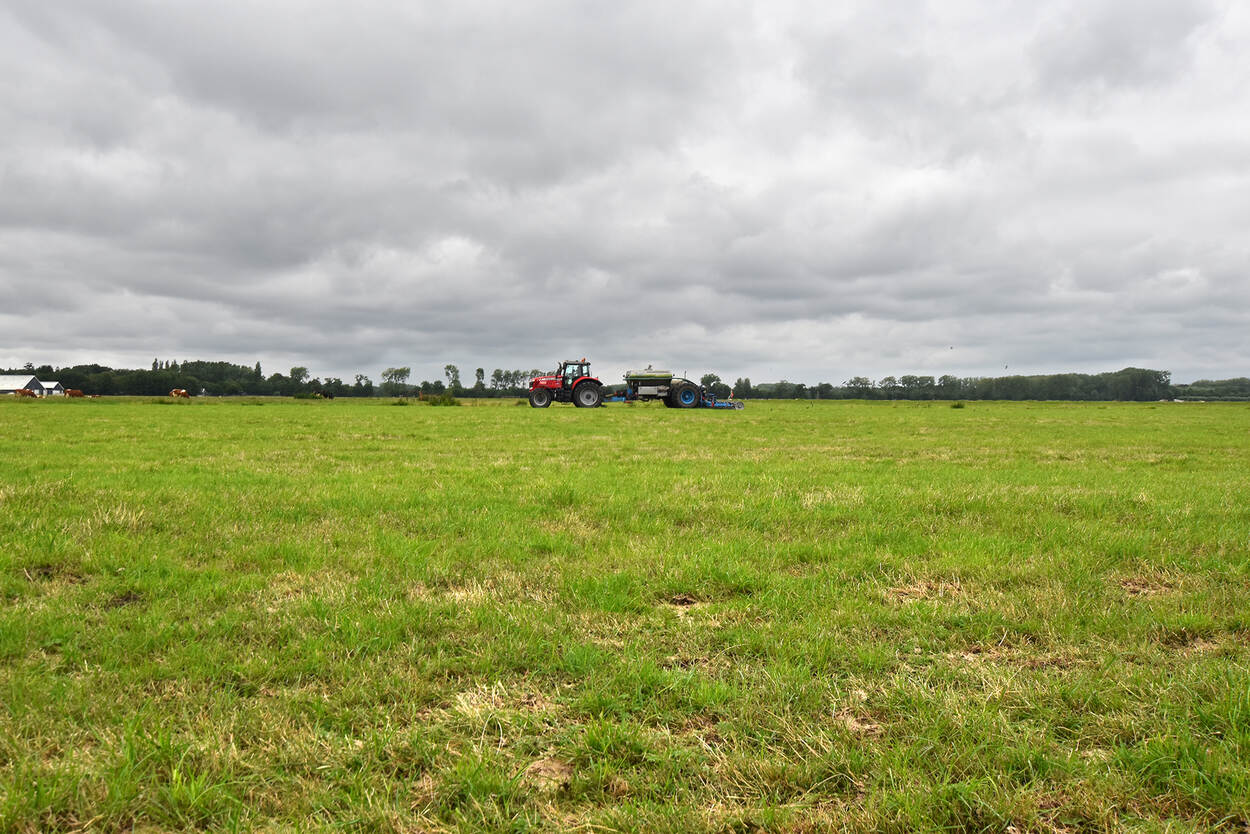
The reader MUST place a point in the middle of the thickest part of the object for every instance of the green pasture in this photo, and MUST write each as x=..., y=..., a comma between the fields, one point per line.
x=357, y=615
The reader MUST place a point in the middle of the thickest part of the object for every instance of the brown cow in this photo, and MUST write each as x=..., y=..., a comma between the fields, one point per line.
x=25, y=392
x=74, y=392
x=179, y=392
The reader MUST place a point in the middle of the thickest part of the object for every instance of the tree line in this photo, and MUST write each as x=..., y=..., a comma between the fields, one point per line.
x=1127, y=384
x=228, y=379
x=502, y=383
x=198, y=377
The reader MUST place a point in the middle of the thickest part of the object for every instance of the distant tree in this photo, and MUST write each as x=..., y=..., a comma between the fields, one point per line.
x=1140, y=384
x=453, y=377
x=1011, y=388
x=742, y=387
x=299, y=375
x=1214, y=389
x=280, y=384
x=496, y=379
x=786, y=390
x=72, y=378
x=363, y=386
x=256, y=372
x=889, y=386
x=860, y=386
x=394, y=381
x=713, y=383
x=948, y=387
x=334, y=385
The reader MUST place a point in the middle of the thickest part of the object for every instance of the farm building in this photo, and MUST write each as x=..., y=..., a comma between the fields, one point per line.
x=51, y=389
x=9, y=384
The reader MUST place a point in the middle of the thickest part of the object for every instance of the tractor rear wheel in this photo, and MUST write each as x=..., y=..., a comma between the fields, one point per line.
x=685, y=395
x=540, y=398
x=587, y=395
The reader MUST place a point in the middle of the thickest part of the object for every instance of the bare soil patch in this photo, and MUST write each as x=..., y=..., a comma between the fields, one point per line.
x=549, y=774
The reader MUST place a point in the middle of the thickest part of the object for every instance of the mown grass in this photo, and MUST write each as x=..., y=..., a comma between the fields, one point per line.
x=341, y=615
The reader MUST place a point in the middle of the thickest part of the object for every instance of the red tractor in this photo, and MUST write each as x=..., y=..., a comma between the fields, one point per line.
x=571, y=382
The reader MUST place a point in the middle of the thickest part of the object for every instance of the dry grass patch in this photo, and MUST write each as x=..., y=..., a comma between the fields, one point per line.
x=497, y=697
x=120, y=517
x=502, y=586
x=288, y=587
x=857, y=722
x=926, y=589
x=1142, y=586
x=844, y=496
x=1202, y=646
x=1013, y=656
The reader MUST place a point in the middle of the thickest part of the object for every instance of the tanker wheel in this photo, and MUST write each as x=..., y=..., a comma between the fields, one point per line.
x=686, y=396
x=587, y=395
x=540, y=398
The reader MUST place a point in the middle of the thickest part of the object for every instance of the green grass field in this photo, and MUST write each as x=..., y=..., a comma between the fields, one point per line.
x=293, y=615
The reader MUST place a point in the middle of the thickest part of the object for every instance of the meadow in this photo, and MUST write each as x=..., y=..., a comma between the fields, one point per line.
x=311, y=615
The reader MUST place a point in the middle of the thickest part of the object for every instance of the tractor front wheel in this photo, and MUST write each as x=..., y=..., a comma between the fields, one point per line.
x=587, y=395
x=540, y=398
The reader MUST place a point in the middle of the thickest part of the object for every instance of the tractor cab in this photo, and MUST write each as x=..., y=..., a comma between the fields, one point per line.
x=571, y=372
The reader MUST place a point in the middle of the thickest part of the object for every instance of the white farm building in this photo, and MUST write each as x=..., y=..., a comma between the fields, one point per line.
x=9, y=384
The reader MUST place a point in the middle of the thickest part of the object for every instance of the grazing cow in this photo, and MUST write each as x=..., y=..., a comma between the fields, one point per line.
x=24, y=392
x=74, y=392
x=179, y=392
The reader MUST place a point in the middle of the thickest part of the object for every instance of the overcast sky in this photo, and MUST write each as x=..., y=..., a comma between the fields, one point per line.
x=801, y=190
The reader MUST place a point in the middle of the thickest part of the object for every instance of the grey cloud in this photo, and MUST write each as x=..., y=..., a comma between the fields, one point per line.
x=1105, y=44
x=751, y=189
